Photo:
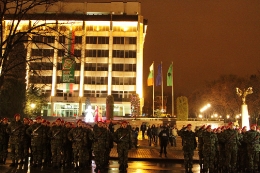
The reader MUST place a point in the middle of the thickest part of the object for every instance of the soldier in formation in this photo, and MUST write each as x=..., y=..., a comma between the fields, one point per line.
x=123, y=138
x=189, y=144
x=4, y=139
x=16, y=132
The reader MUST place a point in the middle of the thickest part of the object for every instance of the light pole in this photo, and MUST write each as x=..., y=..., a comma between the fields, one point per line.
x=204, y=108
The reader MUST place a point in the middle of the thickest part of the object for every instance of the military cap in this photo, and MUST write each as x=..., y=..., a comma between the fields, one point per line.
x=39, y=117
x=15, y=115
x=44, y=121
x=244, y=128
x=79, y=120
x=5, y=119
x=58, y=119
x=230, y=123
x=189, y=125
x=253, y=125
x=202, y=127
x=209, y=126
x=124, y=122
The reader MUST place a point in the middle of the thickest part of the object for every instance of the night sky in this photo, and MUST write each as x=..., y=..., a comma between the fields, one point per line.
x=203, y=38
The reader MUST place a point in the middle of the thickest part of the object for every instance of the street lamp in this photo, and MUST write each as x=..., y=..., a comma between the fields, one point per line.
x=33, y=105
x=204, y=108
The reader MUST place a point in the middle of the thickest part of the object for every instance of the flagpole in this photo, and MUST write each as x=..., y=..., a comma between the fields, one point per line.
x=172, y=92
x=153, y=88
x=162, y=84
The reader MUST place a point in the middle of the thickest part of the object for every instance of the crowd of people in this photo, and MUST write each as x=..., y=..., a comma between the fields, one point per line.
x=71, y=145
x=226, y=149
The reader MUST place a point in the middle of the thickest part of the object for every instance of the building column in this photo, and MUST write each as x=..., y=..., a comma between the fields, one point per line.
x=54, y=71
x=82, y=66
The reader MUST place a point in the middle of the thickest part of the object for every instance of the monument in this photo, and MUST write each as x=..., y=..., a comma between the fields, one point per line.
x=244, y=109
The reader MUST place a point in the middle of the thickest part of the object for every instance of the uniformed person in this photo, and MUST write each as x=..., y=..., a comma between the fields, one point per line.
x=4, y=139
x=26, y=142
x=198, y=133
x=100, y=145
x=231, y=140
x=78, y=137
x=210, y=144
x=58, y=138
x=189, y=144
x=252, y=139
x=16, y=132
x=38, y=134
x=123, y=138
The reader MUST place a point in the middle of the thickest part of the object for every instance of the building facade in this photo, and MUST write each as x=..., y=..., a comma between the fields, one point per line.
x=104, y=40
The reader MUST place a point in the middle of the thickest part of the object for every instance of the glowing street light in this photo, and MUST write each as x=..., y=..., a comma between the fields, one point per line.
x=205, y=107
x=33, y=105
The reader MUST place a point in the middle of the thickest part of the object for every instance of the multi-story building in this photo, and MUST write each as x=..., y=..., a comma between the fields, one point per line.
x=106, y=41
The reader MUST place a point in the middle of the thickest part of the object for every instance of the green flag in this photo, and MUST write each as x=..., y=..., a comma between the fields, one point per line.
x=169, y=76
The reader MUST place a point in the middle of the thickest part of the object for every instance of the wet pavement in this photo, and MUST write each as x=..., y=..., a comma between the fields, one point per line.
x=150, y=166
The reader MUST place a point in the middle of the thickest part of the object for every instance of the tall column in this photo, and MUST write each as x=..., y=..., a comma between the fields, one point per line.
x=244, y=116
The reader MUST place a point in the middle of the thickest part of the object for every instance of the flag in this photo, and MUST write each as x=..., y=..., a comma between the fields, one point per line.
x=150, y=77
x=68, y=65
x=159, y=75
x=169, y=76
x=67, y=87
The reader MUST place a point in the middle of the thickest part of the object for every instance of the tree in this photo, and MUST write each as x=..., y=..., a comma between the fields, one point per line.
x=35, y=101
x=19, y=32
x=135, y=105
x=13, y=33
x=109, y=107
x=221, y=94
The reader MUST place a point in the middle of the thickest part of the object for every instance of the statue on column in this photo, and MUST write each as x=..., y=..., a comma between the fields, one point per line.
x=244, y=93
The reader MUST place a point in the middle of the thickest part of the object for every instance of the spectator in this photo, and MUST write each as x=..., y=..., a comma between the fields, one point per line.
x=153, y=131
x=134, y=137
x=149, y=134
x=143, y=129
x=164, y=138
x=157, y=130
x=174, y=134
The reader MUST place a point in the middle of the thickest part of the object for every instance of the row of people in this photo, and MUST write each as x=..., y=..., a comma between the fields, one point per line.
x=224, y=150
x=63, y=144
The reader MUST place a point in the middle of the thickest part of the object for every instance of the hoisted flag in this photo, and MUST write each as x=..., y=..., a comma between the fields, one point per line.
x=159, y=75
x=169, y=76
x=150, y=76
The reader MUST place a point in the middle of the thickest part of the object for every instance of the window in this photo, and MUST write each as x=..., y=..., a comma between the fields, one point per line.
x=97, y=40
x=62, y=39
x=42, y=52
x=61, y=52
x=118, y=40
x=95, y=80
x=97, y=53
x=78, y=40
x=91, y=40
x=41, y=66
x=123, y=81
x=43, y=39
x=77, y=53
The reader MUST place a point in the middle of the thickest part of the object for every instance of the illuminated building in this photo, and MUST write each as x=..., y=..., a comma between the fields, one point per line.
x=108, y=50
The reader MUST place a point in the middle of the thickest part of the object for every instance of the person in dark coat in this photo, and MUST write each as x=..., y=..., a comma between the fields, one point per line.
x=164, y=139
